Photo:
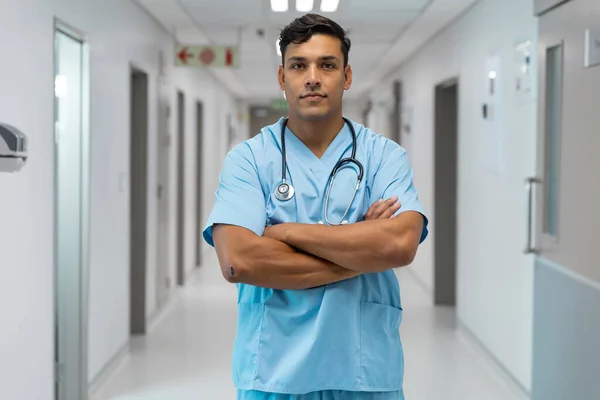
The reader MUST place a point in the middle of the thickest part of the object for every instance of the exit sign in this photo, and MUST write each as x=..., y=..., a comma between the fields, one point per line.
x=207, y=56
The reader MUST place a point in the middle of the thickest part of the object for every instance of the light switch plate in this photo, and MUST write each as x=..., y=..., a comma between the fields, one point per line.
x=592, y=47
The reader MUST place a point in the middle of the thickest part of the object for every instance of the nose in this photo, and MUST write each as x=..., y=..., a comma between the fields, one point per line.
x=313, y=78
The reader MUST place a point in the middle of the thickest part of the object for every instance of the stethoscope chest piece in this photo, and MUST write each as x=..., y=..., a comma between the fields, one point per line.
x=284, y=191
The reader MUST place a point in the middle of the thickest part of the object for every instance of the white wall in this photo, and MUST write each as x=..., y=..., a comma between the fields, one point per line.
x=494, y=278
x=26, y=207
x=120, y=33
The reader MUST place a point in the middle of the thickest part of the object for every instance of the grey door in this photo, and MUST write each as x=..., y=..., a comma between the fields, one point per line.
x=445, y=189
x=566, y=356
x=163, y=282
x=138, y=200
x=199, y=180
x=181, y=189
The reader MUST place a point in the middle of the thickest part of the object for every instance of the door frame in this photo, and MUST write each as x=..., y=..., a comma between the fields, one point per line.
x=60, y=26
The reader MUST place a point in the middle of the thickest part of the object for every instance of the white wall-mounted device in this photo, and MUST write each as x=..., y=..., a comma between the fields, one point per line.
x=13, y=149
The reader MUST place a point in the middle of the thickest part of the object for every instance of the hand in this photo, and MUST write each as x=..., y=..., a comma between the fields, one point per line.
x=274, y=232
x=383, y=209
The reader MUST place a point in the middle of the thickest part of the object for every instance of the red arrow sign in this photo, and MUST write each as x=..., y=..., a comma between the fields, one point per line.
x=206, y=56
x=184, y=55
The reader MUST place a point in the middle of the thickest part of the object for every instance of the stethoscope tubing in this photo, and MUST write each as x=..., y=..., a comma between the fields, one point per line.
x=285, y=191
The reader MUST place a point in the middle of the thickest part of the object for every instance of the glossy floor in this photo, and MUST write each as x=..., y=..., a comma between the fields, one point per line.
x=187, y=354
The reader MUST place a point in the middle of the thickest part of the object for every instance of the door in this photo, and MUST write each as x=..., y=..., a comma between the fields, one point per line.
x=163, y=281
x=566, y=356
x=199, y=174
x=446, y=185
x=71, y=230
x=230, y=132
x=397, y=113
x=180, y=188
x=138, y=199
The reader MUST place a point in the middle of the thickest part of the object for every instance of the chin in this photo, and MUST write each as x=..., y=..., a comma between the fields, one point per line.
x=314, y=115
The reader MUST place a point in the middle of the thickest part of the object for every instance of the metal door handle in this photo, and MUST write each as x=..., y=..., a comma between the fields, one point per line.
x=529, y=182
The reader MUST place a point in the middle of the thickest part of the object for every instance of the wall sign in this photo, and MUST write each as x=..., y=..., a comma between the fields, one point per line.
x=207, y=56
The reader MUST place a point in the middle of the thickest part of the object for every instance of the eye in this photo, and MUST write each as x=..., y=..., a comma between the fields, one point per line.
x=297, y=66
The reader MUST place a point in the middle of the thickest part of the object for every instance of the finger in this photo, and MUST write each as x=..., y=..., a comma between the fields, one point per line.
x=385, y=205
x=391, y=210
x=371, y=211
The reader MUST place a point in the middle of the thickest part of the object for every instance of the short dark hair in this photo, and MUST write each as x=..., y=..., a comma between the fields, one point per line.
x=302, y=29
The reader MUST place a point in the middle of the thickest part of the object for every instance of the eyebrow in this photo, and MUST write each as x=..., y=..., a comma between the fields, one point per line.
x=304, y=59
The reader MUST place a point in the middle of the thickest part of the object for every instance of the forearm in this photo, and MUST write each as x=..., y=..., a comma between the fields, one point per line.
x=368, y=246
x=272, y=264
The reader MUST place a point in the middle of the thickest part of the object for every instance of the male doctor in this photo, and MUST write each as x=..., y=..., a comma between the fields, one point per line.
x=319, y=304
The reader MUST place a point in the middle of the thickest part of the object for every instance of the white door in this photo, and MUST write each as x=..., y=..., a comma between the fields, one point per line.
x=71, y=215
x=565, y=193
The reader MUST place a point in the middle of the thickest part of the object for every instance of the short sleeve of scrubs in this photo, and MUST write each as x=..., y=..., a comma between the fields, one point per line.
x=239, y=198
x=395, y=178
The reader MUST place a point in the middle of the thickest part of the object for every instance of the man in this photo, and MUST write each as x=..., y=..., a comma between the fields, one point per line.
x=319, y=304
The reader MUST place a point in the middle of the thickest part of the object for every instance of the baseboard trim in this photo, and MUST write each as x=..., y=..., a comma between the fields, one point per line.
x=108, y=372
x=492, y=361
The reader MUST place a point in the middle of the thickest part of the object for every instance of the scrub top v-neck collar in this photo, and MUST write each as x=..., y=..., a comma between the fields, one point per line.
x=334, y=152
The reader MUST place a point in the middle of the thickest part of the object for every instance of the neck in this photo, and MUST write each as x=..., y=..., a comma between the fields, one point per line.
x=318, y=135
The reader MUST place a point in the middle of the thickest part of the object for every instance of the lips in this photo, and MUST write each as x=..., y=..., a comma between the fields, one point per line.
x=313, y=96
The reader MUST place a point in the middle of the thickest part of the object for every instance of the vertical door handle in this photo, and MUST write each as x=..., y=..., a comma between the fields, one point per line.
x=529, y=183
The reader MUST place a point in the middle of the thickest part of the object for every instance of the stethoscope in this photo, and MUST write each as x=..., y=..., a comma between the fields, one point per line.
x=285, y=191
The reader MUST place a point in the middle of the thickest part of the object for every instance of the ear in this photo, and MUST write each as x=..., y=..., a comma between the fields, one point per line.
x=281, y=77
x=347, y=77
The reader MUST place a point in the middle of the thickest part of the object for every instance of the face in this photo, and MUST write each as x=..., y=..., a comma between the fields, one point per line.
x=314, y=78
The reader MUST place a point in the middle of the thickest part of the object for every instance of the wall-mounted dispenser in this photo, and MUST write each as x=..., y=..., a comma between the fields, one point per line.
x=13, y=149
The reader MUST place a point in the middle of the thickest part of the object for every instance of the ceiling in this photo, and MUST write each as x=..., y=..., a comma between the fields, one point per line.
x=383, y=34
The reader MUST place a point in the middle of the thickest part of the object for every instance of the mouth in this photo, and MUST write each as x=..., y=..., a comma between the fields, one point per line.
x=313, y=96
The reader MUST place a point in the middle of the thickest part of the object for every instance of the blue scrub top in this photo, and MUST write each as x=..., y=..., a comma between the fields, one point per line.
x=342, y=336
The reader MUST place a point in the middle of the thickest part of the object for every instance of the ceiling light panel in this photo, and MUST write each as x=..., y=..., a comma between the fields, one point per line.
x=329, y=5
x=279, y=5
x=304, y=5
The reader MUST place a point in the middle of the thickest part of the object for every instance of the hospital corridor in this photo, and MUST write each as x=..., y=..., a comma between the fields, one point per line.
x=299, y=200
x=187, y=354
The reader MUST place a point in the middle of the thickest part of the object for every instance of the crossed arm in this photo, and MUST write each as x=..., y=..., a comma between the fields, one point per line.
x=369, y=246
x=301, y=256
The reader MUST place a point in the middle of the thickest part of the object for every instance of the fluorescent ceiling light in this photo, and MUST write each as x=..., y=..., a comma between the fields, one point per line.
x=279, y=5
x=278, y=48
x=304, y=5
x=329, y=5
